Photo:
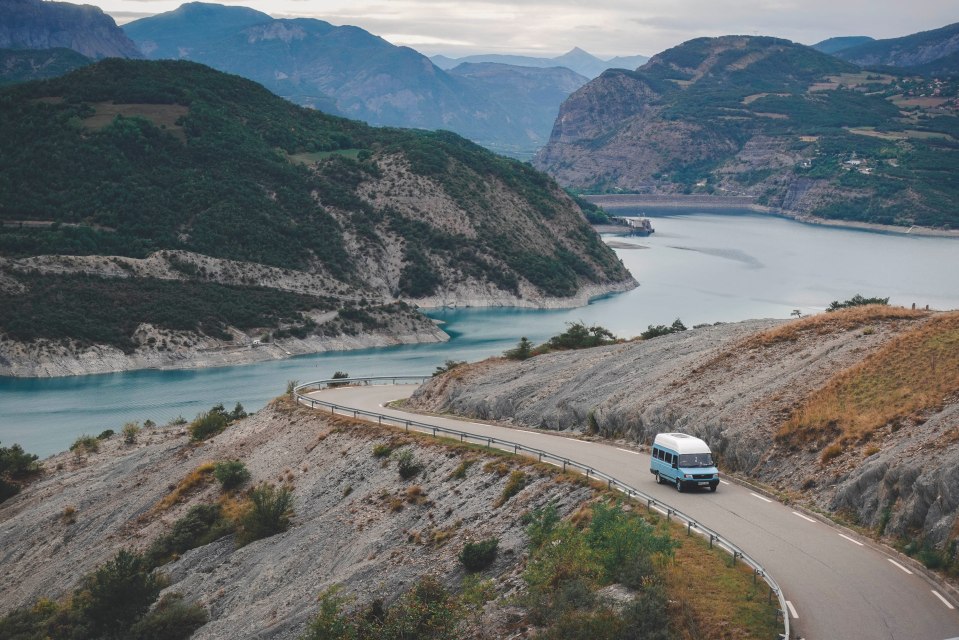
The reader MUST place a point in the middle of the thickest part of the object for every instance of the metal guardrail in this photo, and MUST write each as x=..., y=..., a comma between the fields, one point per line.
x=543, y=456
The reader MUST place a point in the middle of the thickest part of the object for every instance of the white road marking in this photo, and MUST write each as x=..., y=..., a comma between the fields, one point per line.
x=628, y=451
x=763, y=498
x=724, y=482
x=944, y=601
x=792, y=610
x=796, y=513
x=851, y=540
x=899, y=565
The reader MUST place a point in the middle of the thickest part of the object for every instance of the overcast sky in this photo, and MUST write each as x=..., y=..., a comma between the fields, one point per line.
x=602, y=27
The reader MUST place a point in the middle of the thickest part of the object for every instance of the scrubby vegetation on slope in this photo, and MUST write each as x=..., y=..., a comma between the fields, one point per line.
x=913, y=374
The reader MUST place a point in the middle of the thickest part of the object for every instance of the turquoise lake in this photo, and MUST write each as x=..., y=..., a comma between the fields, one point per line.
x=700, y=267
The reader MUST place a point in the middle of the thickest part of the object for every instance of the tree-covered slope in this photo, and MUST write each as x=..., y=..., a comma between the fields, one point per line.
x=799, y=130
x=908, y=51
x=127, y=158
x=23, y=65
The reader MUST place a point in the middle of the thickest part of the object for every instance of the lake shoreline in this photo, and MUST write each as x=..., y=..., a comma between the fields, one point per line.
x=731, y=204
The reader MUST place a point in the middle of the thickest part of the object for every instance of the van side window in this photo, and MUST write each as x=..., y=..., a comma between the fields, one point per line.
x=669, y=458
x=661, y=455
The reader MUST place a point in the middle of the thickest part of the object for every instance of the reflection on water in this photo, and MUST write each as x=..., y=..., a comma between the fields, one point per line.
x=700, y=268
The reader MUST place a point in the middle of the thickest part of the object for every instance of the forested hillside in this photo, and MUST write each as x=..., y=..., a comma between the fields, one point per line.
x=127, y=158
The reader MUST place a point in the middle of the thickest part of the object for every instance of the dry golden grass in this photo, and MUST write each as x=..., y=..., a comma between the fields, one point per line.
x=710, y=599
x=833, y=322
x=202, y=475
x=914, y=373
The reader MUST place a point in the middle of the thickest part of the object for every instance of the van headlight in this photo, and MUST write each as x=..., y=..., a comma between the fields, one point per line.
x=687, y=476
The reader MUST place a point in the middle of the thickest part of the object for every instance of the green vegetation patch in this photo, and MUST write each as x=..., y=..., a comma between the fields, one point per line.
x=94, y=310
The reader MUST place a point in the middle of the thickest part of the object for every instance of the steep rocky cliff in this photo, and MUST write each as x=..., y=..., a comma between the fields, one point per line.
x=749, y=389
x=908, y=51
x=797, y=130
x=36, y=24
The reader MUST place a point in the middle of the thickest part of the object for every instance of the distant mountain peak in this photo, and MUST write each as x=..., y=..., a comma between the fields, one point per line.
x=33, y=24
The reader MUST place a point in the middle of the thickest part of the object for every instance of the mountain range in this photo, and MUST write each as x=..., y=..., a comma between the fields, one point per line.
x=908, y=51
x=798, y=130
x=348, y=71
x=576, y=59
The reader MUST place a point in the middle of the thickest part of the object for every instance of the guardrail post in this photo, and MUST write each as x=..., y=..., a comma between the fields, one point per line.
x=689, y=527
x=609, y=484
x=711, y=540
x=735, y=557
x=489, y=443
x=564, y=466
x=669, y=512
x=407, y=425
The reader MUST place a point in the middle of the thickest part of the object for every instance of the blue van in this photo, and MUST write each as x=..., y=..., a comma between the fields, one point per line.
x=683, y=460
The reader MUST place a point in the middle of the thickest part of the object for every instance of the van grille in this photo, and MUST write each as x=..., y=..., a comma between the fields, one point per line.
x=703, y=476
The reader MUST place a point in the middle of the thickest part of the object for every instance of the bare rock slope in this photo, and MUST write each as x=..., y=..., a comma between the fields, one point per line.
x=737, y=386
x=356, y=522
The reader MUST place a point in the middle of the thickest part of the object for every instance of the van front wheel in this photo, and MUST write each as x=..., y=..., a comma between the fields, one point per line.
x=679, y=485
x=659, y=479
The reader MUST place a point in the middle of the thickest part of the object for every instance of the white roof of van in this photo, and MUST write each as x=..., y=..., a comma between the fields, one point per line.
x=681, y=443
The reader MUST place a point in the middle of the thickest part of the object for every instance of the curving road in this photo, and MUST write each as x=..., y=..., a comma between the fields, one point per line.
x=838, y=586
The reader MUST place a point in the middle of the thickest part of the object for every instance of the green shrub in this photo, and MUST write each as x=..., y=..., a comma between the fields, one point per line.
x=130, y=432
x=112, y=598
x=579, y=336
x=476, y=556
x=855, y=301
x=663, y=330
x=171, y=619
x=85, y=444
x=425, y=612
x=105, y=434
x=206, y=425
x=540, y=524
x=460, y=472
x=338, y=375
x=522, y=351
x=407, y=464
x=15, y=463
x=382, y=450
x=231, y=474
x=201, y=525
x=269, y=513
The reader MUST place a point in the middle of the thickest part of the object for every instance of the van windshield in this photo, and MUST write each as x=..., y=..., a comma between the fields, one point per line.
x=695, y=460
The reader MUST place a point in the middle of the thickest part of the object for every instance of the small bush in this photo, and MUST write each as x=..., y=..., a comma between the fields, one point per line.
x=460, y=472
x=477, y=556
x=231, y=474
x=171, y=619
x=85, y=444
x=269, y=513
x=407, y=464
x=338, y=375
x=69, y=514
x=201, y=525
x=106, y=434
x=830, y=452
x=113, y=597
x=206, y=425
x=130, y=432
x=517, y=480
x=382, y=450
x=856, y=301
x=291, y=386
x=662, y=330
x=522, y=351
x=15, y=464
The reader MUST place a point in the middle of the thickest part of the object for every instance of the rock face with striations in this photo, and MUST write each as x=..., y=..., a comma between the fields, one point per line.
x=736, y=389
x=34, y=24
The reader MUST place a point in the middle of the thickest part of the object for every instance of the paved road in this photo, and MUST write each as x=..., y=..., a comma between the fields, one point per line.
x=838, y=586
